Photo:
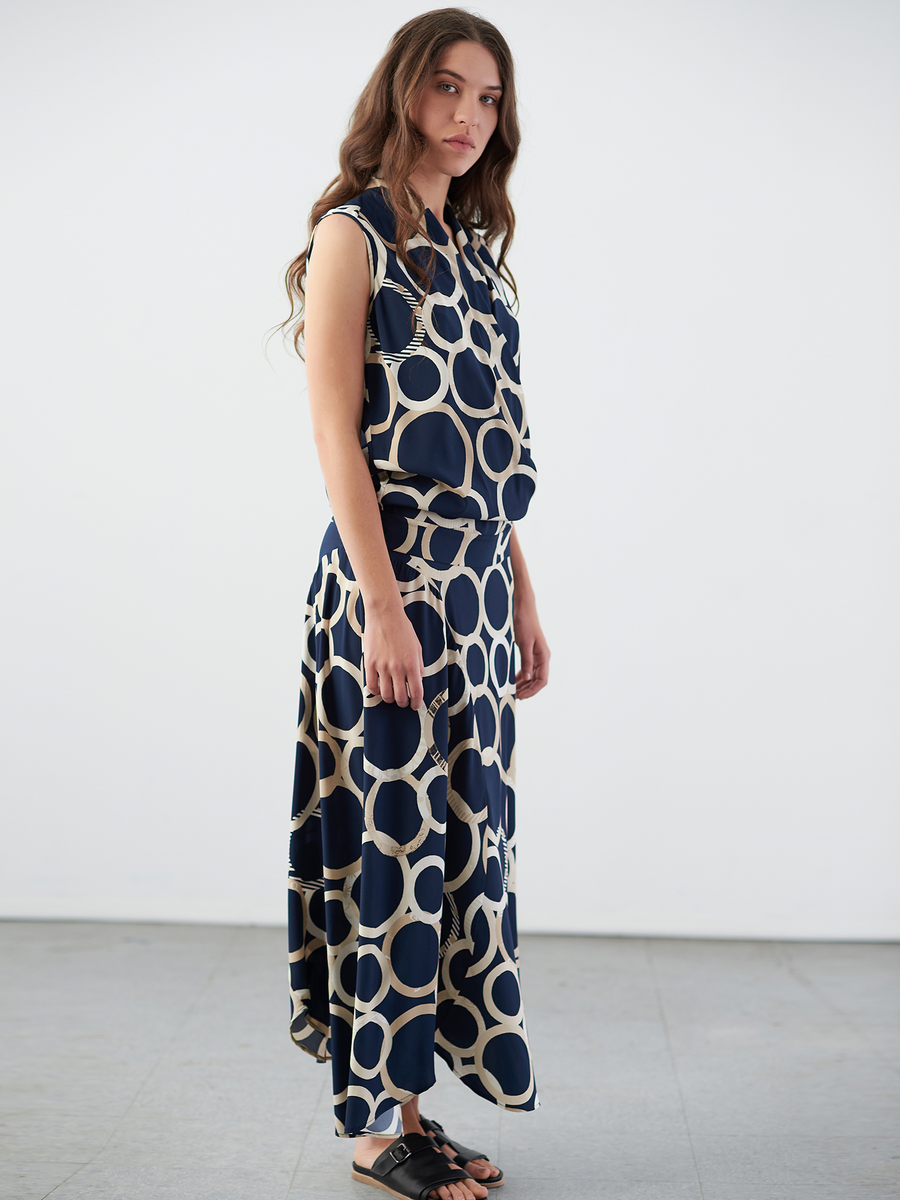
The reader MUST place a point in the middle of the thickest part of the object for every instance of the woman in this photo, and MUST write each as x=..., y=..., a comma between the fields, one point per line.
x=402, y=906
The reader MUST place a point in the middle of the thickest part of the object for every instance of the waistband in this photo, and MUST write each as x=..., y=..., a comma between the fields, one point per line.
x=446, y=541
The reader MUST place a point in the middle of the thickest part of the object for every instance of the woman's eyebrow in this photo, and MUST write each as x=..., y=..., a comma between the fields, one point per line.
x=491, y=87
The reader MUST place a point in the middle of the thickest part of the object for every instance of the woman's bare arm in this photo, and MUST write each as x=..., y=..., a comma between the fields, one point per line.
x=534, y=652
x=337, y=301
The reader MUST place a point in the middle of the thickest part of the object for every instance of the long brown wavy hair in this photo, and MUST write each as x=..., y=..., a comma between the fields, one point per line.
x=383, y=141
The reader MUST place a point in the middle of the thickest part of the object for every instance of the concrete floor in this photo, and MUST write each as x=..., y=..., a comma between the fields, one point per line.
x=154, y=1061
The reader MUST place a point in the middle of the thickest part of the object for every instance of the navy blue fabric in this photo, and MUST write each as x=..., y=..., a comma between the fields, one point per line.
x=402, y=918
x=444, y=425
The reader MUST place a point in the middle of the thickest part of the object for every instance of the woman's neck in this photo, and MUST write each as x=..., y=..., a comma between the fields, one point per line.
x=432, y=186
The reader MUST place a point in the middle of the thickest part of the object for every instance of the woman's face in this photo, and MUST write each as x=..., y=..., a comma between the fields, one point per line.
x=458, y=109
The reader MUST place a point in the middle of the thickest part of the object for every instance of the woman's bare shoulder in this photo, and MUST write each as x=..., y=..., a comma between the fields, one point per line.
x=340, y=230
x=339, y=244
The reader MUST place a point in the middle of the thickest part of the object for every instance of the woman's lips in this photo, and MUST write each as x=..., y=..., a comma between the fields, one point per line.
x=461, y=143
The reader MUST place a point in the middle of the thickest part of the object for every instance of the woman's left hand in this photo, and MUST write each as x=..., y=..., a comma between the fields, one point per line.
x=534, y=652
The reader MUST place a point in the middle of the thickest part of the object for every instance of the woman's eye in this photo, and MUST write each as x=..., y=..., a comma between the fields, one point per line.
x=490, y=99
x=448, y=85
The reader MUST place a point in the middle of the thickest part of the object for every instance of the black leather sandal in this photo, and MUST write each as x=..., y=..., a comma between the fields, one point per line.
x=463, y=1154
x=407, y=1171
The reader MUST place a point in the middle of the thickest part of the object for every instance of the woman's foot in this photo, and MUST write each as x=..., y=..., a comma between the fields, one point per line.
x=478, y=1168
x=367, y=1149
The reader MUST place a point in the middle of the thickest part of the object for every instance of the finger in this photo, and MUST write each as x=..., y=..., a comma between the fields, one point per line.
x=387, y=688
x=539, y=675
x=372, y=681
x=531, y=688
x=527, y=688
x=416, y=691
x=401, y=696
x=542, y=671
x=526, y=659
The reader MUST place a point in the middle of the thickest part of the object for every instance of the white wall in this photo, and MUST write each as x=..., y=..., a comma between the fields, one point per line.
x=707, y=257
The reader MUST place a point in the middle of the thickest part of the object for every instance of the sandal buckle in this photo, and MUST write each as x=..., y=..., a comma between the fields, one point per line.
x=400, y=1153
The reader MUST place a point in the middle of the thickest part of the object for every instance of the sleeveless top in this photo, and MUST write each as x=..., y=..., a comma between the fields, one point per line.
x=443, y=420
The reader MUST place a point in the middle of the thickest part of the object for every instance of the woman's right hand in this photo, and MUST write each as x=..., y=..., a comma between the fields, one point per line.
x=392, y=657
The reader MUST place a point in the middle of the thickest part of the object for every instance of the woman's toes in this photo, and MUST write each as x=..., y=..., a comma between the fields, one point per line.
x=474, y=1189
x=452, y=1191
x=481, y=1168
x=466, y=1189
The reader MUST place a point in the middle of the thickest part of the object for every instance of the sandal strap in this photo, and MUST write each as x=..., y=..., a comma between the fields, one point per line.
x=463, y=1153
x=413, y=1172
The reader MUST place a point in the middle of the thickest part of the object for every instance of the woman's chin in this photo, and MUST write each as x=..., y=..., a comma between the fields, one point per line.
x=459, y=164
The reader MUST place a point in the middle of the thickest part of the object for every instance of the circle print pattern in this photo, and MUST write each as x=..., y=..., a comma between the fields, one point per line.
x=454, y=359
x=402, y=917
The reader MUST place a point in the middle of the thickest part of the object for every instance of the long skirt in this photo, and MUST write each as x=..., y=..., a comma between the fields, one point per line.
x=402, y=918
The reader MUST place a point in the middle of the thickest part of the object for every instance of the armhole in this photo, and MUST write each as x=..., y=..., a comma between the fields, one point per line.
x=340, y=212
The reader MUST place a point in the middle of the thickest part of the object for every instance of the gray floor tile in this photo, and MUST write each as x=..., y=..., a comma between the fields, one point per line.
x=101, y=1083
x=616, y=1107
x=821, y=1191
x=628, y=1076
x=49, y=1134
x=32, y=1180
x=536, y=1152
x=323, y=1153
x=237, y=1088
x=885, y=1043
x=183, y=1141
x=803, y=1097
x=312, y=1186
x=799, y=1161
x=170, y=1072
x=614, y=978
x=567, y=1187
x=861, y=979
x=100, y=1181
x=597, y=1040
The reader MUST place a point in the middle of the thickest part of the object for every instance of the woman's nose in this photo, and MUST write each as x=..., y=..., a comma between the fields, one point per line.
x=467, y=113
